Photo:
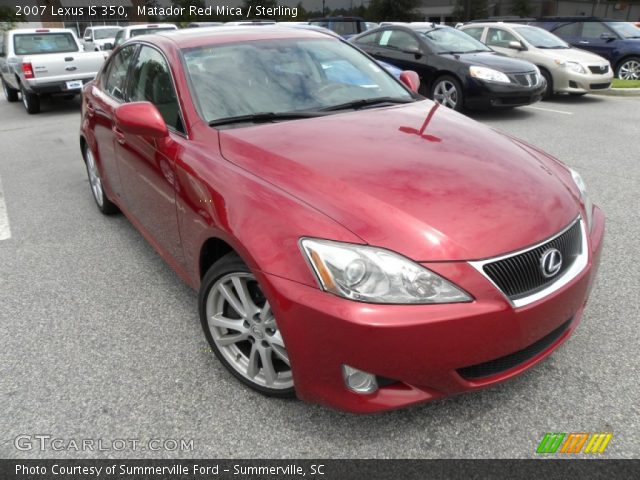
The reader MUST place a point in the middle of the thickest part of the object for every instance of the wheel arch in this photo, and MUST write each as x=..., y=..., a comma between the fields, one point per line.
x=624, y=59
x=212, y=250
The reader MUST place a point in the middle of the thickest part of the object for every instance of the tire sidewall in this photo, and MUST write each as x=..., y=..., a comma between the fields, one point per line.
x=30, y=101
x=230, y=263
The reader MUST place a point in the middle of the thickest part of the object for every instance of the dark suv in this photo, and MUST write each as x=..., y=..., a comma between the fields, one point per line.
x=618, y=42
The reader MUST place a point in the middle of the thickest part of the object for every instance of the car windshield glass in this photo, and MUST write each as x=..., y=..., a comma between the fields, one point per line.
x=625, y=30
x=102, y=33
x=540, y=38
x=35, y=43
x=284, y=76
x=450, y=40
x=145, y=31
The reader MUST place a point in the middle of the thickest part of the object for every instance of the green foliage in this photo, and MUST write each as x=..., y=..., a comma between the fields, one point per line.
x=8, y=18
x=522, y=8
x=470, y=9
x=393, y=10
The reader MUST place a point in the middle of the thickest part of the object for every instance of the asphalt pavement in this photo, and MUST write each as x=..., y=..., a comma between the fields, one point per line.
x=99, y=339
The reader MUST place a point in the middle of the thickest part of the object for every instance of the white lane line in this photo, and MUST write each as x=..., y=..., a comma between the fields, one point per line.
x=5, y=230
x=549, y=110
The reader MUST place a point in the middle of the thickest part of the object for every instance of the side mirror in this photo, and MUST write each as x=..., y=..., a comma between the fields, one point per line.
x=107, y=46
x=516, y=45
x=413, y=51
x=141, y=118
x=410, y=79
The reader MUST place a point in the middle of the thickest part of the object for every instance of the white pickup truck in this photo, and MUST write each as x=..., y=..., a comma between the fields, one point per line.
x=44, y=61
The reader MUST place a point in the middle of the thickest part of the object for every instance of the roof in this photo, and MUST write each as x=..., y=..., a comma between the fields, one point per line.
x=196, y=37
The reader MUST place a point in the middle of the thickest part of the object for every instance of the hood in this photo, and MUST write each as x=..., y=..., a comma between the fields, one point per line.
x=418, y=179
x=576, y=55
x=493, y=60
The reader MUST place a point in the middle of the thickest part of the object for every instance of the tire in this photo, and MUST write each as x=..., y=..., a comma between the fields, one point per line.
x=241, y=330
x=629, y=69
x=10, y=94
x=447, y=91
x=31, y=101
x=106, y=206
x=548, y=93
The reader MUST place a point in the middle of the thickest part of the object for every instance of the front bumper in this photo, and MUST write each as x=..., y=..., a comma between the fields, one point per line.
x=480, y=94
x=422, y=348
x=568, y=81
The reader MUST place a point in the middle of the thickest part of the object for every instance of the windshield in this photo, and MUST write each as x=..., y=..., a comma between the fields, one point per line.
x=450, y=40
x=284, y=76
x=340, y=27
x=35, y=43
x=103, y=33
x=625, y=30
x=145, y=31
x=540, y=38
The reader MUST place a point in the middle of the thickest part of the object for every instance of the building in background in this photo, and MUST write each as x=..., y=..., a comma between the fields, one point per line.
x=442, y=11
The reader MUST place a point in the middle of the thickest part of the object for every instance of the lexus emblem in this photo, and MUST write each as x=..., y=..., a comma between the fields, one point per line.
x=551, y=262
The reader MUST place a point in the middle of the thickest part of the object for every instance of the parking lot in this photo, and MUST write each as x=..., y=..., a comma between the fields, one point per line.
x=101, y=340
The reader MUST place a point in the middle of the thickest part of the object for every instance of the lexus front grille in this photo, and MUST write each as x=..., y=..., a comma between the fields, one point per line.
x=529, y=274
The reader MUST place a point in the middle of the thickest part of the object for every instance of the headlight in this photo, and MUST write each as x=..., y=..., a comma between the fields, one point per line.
x=484, y=73
x=584, y=196
x=375, y=275
x=573, y=66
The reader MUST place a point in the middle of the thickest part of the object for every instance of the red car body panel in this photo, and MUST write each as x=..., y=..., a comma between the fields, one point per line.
x=425, y=182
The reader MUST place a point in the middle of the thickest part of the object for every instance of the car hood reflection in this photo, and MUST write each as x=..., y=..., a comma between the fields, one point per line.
x=467, y=192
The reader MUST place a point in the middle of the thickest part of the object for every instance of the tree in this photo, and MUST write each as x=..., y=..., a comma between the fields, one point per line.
x=470, y=10
x=392, y=10
x=521, y=8
x=8, y=18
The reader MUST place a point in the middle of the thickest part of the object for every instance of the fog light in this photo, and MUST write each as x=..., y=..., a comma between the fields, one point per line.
x=359, y=381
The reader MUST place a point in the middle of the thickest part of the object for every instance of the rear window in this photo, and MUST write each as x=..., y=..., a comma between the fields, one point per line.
x=35, y=43
x=146, y=31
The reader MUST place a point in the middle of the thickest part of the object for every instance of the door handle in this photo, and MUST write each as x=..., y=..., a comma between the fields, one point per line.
x=584, y=42
x=90, y=110
x=119, y=135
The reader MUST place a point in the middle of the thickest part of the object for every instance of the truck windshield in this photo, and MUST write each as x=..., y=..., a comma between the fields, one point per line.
x=35, y=43
x=101, y=34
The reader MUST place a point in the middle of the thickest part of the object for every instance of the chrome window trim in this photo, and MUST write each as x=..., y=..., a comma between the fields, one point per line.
x=572, y=272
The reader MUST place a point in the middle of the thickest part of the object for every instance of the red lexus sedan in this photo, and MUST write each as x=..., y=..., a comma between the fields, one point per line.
x=353, y=243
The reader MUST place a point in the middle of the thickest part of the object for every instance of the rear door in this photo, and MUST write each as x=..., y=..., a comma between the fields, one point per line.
x=103, y=98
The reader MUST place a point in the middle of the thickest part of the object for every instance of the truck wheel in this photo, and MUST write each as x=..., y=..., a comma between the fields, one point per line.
x=31, y=101
x=9, y=93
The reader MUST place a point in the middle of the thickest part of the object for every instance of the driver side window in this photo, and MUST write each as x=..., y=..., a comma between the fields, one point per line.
x=152, y=82
x=399, y=40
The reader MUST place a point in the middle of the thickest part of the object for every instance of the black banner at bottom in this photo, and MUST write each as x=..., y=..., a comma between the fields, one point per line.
x=316, y=469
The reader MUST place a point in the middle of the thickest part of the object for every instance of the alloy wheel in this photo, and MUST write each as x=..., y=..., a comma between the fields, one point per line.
x=446, y=93
x=94, y=178
x=245, y=331
x=630, y=70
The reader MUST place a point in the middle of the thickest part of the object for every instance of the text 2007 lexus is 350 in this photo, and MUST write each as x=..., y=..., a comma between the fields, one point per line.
x=353, y=243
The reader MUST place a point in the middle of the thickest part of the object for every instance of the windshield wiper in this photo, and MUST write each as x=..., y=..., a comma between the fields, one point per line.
x=367, y=102
x=263, y=117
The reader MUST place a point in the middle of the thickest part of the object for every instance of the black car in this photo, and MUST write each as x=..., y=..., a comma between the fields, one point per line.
x=618, y=42
x=455, y=69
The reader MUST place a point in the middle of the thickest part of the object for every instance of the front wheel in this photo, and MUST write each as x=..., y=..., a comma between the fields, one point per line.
x=448, y=92
x=241, y=328
x=31, y=101
x=9, y=93
x=629, y=69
